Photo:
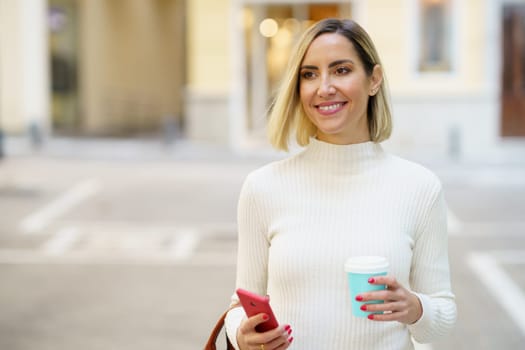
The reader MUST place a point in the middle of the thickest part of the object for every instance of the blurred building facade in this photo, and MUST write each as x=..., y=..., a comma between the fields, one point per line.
x=456, y=68
x=91, y=67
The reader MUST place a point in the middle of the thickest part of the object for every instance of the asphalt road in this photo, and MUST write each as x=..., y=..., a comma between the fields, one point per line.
x=140, y=254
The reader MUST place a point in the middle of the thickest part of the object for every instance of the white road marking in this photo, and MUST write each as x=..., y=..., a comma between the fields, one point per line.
x=499, y=177
x=124, y=243
x=454, y=224
x=510, y=257
x=226, y=229
x=502, y=287
x=62, y=241
x=184, y=244
x=30, y=257
x=43, y=217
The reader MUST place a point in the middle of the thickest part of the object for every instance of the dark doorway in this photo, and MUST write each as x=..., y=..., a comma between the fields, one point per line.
x=513, y=79
x=63, y=49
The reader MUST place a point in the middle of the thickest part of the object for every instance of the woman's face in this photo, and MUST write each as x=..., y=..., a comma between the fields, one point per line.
x=334, y=89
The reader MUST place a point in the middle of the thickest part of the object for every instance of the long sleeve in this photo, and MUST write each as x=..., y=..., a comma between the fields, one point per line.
x=253, y=243
x=430, y=276
x=252, y=254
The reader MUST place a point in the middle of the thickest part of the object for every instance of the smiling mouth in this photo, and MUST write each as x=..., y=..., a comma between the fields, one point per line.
x=330, y=107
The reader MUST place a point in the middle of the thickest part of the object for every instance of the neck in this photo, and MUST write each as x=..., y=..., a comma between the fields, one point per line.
x=348, y=158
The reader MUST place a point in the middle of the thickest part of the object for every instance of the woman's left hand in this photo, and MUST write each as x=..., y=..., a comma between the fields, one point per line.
x=399, y=304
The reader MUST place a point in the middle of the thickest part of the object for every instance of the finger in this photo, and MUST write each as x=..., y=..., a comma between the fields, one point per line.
x=281, y=332
x=276, y=343
x=382, y=307
x=389, y=281
x=283, y=342
x=286, y=345
x=385, y=295
x=249, y=324
x=273, y=338
x=277, y=338
x=393, y=316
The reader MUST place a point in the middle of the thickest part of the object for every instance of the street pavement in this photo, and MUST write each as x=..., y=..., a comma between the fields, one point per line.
x=131, y=245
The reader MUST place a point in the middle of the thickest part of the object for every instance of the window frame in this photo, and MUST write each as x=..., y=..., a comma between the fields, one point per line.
x=453, y=32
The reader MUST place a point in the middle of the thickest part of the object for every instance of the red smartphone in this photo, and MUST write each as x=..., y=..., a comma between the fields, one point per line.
x=254, y=304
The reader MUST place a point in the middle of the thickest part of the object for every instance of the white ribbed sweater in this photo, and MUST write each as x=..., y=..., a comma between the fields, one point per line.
x=299, y=220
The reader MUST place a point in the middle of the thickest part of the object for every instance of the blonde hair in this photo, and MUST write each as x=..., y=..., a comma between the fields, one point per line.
x=286, y=112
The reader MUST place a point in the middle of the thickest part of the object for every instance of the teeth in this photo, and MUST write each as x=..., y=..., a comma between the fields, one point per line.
x=330, y=107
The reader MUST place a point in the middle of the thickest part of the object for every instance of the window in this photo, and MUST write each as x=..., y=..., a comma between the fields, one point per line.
x=434, y=36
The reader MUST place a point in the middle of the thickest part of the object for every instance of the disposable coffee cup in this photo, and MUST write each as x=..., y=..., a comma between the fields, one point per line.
x=358, y=270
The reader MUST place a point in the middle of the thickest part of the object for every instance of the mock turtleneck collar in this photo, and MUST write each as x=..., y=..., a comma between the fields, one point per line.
x=352, y=157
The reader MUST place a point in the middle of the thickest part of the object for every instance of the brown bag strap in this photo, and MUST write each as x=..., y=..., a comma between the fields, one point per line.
x=211, y=344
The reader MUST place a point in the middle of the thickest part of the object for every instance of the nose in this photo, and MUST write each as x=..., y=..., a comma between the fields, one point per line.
x=325, y=88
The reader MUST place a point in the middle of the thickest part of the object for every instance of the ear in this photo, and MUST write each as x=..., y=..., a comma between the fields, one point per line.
x=375, y=80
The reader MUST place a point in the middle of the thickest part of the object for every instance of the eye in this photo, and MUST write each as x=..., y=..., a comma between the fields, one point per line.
x=308, y=75
x=342, y=70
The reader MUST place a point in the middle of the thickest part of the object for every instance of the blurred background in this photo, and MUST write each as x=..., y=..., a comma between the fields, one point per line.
x=128, y=126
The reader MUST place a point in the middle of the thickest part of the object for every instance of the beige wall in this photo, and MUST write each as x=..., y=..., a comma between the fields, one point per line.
x=207, y=96
x=386, y=24
x=209, y=48
x=24, y=66
x=474, y=41
x=434, y=110
x=10, y=65
x=132, y=63
x=392, y=27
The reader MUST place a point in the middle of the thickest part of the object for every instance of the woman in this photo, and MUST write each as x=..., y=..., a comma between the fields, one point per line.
x=301, y=218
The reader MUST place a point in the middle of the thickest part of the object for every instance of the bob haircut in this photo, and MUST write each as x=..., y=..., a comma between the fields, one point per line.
x=287, y=113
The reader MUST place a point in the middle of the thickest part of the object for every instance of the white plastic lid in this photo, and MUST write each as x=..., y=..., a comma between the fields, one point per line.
x=366, y=264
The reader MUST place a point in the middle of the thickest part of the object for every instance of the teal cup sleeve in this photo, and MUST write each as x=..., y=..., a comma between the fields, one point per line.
x=358, y=283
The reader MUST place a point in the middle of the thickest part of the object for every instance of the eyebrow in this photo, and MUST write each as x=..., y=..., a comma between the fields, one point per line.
x=332, y=64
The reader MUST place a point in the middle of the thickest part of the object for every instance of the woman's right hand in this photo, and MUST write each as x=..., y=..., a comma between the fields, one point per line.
x=249, y=339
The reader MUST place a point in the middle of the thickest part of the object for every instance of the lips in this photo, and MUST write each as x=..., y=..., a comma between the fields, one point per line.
x=329, y=108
